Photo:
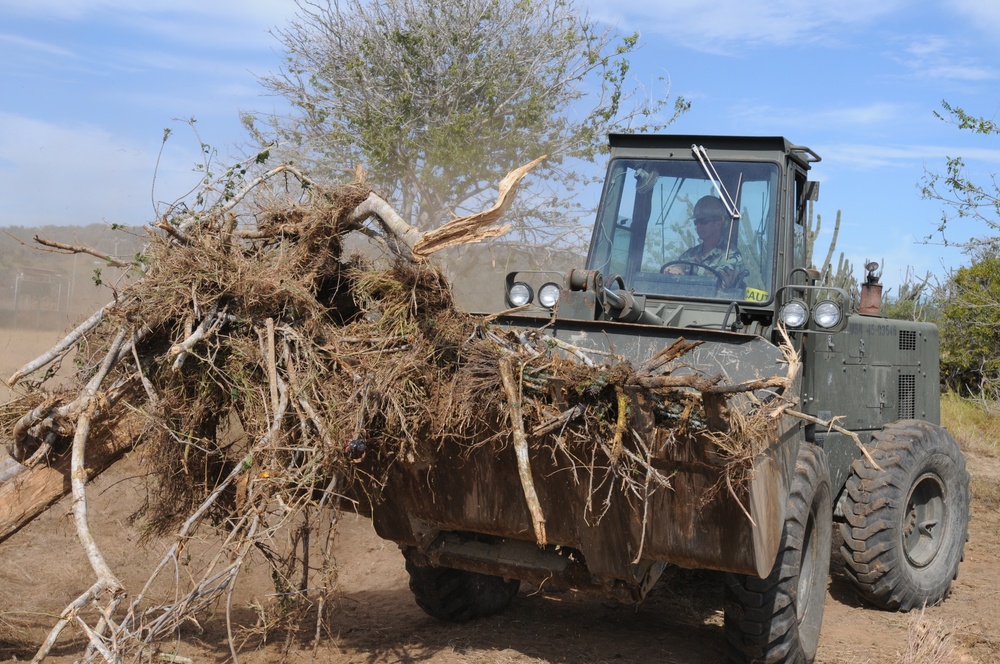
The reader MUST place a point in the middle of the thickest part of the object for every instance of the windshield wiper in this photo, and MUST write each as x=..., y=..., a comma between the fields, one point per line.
x=701, y=154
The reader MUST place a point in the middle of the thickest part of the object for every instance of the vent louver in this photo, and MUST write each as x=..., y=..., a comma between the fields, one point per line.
x=907, y=340
x=907, y=396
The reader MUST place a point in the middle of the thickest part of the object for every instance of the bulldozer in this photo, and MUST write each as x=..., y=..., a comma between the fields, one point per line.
x=704, y=238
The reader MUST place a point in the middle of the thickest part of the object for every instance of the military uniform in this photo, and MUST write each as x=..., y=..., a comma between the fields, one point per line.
x=731, y=266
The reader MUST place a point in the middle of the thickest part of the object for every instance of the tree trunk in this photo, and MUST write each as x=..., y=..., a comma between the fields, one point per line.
x=33, y=490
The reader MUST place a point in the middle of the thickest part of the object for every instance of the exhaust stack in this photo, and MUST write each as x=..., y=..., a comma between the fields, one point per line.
x=871, y=291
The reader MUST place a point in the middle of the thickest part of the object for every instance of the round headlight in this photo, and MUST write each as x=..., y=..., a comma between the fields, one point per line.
x=794, y=314
x=519, y=294
x=548, y=295
x=827, y=314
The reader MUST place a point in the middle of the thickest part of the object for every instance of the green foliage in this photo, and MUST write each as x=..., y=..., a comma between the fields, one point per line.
x=915, y=299
x=439, y=100
x=217, y=182
x=970, y=329
x=900, y=308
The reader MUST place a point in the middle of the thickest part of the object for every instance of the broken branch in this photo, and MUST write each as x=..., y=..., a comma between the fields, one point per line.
x=513, y=391
x=80, y=249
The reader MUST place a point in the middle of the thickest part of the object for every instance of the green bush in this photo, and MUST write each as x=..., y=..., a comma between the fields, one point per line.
x=970, y=329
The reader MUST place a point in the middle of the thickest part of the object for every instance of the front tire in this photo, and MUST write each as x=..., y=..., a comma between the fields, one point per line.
x=906, y=525
x=456, y=595
x=777, y=619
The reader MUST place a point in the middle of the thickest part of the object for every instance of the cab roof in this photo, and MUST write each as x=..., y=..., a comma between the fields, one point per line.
x=678, y=146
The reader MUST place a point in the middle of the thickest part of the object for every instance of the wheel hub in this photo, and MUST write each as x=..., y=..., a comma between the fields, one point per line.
x=924, y=520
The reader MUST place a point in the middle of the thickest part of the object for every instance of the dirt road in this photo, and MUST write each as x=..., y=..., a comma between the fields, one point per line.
x=376, y=621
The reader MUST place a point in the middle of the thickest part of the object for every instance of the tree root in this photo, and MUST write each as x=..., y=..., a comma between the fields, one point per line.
x=276, y=480
x=513, y=390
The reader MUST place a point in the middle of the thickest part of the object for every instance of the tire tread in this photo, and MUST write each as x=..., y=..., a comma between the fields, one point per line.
x=871, y=552
x=761, y=621
x=455, y=595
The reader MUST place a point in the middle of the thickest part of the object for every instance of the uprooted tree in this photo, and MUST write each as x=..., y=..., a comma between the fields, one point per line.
x=267, y=373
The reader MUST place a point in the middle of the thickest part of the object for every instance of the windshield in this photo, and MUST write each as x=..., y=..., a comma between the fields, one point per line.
x=668, y=228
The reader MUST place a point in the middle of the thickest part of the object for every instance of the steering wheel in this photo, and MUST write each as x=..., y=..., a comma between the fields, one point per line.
x=719, y=277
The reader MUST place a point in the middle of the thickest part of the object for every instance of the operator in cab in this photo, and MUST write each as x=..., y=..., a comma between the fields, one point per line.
x=717, y=249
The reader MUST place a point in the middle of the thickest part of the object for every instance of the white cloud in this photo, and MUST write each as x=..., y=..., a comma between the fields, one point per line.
x=935, y=57
x=35, y=45
x=970, y=72
x=868, y=114
x=982, y=14
x=219, y=24
x=719, y=25
x=873, y=156
x=254, y=10
x=77, y=174
x=774, y=118
x=206, y=31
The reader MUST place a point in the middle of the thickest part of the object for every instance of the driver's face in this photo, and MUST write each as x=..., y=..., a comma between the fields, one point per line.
x=709, y=230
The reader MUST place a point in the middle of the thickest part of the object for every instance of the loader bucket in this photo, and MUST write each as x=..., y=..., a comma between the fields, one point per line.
x=699, y=521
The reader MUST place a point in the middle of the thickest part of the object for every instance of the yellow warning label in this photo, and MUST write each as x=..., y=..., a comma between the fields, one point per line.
x=756, y=295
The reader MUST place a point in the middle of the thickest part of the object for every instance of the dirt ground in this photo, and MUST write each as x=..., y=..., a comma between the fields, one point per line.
x=374, y=619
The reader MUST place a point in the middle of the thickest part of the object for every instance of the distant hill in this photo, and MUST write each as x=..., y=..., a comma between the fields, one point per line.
x=46, y=290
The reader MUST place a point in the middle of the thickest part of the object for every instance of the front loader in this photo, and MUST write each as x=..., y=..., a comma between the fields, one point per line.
x=841, y=407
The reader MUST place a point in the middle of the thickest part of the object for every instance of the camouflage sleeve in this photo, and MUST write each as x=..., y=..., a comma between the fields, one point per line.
x=734, y=260
x=730, y=267
x=689, y=254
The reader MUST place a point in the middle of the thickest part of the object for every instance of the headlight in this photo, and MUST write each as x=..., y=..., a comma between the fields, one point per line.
x=827, y=314
x=548, y=295
x=519, y=294
x=794, y=314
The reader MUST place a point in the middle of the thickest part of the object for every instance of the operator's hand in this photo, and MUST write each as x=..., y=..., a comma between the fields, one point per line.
x=673, y=269
x=732, y=276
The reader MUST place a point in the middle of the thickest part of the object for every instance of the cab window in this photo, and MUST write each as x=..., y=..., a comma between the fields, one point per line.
x=668, y=229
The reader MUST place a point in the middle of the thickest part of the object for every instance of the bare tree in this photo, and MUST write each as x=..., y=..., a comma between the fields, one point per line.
x=961, y=195
x=439, y=99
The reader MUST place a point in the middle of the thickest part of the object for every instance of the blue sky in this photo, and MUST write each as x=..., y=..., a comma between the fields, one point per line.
x=88, y=86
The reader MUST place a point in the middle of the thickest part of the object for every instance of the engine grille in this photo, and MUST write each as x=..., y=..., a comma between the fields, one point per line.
x=907, y=396
x=907, y=340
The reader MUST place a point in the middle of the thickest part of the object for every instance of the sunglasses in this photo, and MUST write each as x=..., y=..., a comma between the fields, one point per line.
x=702, y=221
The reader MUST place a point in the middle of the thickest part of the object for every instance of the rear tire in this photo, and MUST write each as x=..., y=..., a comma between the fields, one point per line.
x=906, y=525
x=777, y=620
x=456, y=595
